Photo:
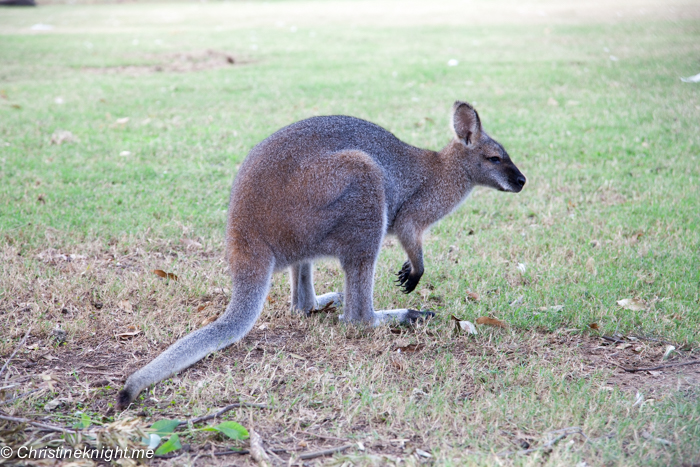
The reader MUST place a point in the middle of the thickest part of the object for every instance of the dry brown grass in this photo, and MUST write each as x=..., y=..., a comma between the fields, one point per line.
x=325, y=384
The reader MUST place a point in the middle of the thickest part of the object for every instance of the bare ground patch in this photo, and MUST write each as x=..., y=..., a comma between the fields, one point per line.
x=179, y=62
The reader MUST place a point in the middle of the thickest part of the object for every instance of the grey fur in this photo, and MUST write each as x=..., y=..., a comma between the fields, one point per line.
x=334, y=186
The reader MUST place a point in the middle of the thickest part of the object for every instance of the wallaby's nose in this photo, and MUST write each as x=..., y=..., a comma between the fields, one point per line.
x=520, y=181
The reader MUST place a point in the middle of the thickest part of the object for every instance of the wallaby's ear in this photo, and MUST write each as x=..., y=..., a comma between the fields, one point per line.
x=466, y=123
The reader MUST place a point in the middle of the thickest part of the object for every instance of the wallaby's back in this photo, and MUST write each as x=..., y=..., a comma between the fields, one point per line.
x=290, y=149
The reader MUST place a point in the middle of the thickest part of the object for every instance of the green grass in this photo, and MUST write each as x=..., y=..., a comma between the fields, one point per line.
x=610, y=147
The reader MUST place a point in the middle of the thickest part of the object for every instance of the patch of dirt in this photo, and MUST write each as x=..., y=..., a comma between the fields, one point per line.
x=181, y=62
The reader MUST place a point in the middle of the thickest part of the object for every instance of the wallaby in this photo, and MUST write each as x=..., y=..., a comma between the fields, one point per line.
x=334, y=186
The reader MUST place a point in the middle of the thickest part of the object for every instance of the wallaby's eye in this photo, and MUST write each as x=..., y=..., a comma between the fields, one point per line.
x=495, y=160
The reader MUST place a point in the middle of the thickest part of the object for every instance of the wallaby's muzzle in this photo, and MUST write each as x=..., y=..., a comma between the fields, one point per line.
x=516, y=180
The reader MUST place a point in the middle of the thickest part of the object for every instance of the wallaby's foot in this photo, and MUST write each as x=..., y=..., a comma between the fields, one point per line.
x=407, y=280
x=333, y=298
x=401, y=316
x=415, y=316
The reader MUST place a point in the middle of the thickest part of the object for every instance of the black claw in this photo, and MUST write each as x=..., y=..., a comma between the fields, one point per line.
x=413, y=316
x=406, y=280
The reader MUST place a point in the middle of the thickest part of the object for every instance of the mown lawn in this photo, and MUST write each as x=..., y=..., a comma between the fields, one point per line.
x=587, y=100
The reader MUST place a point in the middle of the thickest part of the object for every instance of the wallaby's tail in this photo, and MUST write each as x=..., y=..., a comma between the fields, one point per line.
x=248, y=294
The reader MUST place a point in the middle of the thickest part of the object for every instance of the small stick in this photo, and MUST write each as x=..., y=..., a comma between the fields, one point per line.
x=325, y=452
x=227, y=453
x=612, y=339
x=204, y=418
x=36, y=424
x=24, y=339
x=322, y=436
x=634, y=370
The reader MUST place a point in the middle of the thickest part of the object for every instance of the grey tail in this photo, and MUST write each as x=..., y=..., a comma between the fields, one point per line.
x=247, y=300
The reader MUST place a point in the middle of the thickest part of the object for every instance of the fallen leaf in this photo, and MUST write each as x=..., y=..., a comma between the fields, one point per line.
x=398, y=362
x=624, y=346
x=491, y=322
x=49, y=406
x=472, y=296
x=411, y=348
x=15, y=106
x=463, y=325
x=208, y=320
x=125, y=305
x=422, y=453
x=167, y=275
x=594, y=326
x=654, y=373
x=667, y=352
x=129, y=333
x=63, y=136
x=203, y=306
x=553, y=102
x=634, y=304
x=298, y=357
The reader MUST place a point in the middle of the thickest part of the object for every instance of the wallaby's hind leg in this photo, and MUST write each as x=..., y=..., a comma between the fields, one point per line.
x=359, y=282
x=251, y=282
x=304, y=297
x=302, y=282
x=358, y=298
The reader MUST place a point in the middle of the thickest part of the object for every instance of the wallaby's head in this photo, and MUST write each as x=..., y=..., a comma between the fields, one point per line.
x=487, y=163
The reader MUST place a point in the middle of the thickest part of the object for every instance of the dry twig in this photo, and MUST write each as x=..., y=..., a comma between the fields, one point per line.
x=221, y=412
x=634, y=370
x=36, y=424
x=324, y=452
x=322, y=436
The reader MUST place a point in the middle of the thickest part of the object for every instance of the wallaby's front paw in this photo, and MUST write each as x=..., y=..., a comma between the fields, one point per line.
x=413, y=316
x=407, y=280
